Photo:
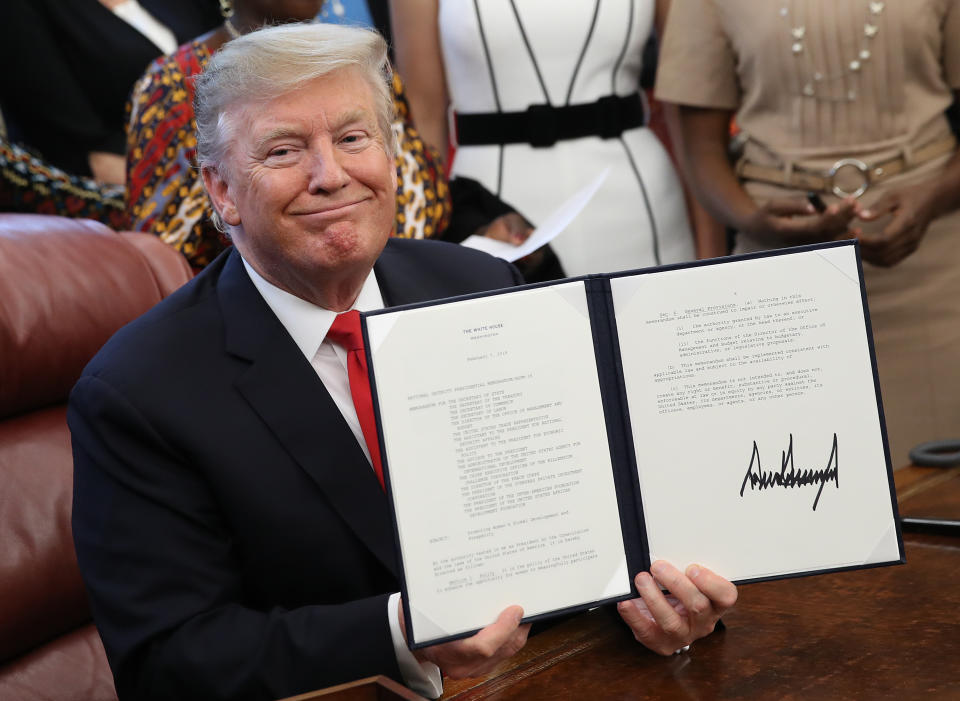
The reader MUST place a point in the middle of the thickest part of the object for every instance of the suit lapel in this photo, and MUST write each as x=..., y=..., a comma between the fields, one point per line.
x=289, y=397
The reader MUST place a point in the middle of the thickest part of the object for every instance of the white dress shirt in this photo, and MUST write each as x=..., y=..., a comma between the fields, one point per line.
x=308, y=325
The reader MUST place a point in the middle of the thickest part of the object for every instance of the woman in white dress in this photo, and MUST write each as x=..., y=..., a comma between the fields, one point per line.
x=545, y=96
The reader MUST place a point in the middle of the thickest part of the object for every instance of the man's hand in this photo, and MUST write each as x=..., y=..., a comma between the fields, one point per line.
x=696, y=601
x=791, y=222
x=481, y=652
x=911, y=212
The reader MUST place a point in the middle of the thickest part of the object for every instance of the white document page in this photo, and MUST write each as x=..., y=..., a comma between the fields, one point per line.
x=754, y=413
x=498, y=457
x=558, y=220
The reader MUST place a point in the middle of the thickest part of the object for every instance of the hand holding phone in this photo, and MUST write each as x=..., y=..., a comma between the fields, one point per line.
x=817, y=201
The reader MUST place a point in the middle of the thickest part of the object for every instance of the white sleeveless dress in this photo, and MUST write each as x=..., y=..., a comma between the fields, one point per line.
x=505, y=55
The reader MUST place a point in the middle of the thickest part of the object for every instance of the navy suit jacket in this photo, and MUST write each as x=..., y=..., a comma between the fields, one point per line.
x=233, y=538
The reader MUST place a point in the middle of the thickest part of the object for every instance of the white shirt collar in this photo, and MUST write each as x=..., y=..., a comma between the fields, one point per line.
x=307, y=323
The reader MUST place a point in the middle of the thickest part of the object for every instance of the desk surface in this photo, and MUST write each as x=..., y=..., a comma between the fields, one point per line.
x=889, y=632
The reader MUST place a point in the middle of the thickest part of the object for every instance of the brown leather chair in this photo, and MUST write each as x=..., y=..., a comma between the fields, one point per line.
x=65, y=286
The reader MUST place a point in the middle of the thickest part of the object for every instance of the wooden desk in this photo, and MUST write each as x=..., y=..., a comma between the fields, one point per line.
x=929, y=492
x=889, y=632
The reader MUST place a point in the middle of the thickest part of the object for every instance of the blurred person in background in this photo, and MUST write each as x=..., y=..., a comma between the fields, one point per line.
x=544, y=97
x=844, y=101
x=70, y=67
x=30, y=185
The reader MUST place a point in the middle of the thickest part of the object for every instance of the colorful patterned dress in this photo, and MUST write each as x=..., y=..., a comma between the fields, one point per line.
x=30, y=184
x=165, y=194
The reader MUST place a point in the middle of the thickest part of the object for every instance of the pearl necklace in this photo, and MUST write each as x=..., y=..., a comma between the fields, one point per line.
x=819, y=85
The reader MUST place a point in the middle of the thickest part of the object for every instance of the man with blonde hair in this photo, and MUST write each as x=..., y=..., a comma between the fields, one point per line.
x=234, y=539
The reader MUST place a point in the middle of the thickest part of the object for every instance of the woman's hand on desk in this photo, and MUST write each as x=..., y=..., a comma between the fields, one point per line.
x=481, y=652
x=696, y=601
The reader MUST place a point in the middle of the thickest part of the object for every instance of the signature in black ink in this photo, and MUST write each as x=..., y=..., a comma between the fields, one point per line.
x=760, y=479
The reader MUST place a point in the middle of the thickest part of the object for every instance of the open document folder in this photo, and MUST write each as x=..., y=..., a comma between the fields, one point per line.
x=557, y=438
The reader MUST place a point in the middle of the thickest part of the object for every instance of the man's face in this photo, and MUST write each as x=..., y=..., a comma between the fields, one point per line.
x=308, y=185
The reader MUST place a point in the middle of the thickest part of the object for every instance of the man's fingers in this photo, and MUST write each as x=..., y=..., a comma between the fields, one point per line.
x=645, y=628
x=693, y=600
x=665, y=623
x=515, y=643
x=666, y=616
x=477, y=664
x=483, y=651
x=721, y=592
x=490, y=639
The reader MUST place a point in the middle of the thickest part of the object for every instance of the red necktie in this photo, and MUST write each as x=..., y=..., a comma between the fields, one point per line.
x=345, y=332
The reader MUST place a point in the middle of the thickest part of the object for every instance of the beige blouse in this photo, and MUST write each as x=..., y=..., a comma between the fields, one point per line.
x=817, y=78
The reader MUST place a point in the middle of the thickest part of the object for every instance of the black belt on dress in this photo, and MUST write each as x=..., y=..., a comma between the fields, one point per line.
x=545, y=125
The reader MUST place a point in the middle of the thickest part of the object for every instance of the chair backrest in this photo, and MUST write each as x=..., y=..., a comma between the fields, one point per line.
x=66, y=285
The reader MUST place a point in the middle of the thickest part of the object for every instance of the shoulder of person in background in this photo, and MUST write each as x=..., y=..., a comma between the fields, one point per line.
x=164, y=194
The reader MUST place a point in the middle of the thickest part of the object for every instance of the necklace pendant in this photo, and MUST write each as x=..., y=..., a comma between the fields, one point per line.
x=798, y=32
x=876, y=8
x=870, y=30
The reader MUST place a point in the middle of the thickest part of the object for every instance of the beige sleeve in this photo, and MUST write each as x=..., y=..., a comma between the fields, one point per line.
x=951, y=45
x=696, y=65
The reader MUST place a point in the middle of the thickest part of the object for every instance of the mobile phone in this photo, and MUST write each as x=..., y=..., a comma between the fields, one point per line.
x=817, y=202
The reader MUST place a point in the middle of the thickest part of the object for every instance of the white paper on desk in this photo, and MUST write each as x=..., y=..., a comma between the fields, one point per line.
x=556, y=222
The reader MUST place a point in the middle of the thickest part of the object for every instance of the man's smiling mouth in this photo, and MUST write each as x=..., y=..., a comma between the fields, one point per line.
x=330, y=210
